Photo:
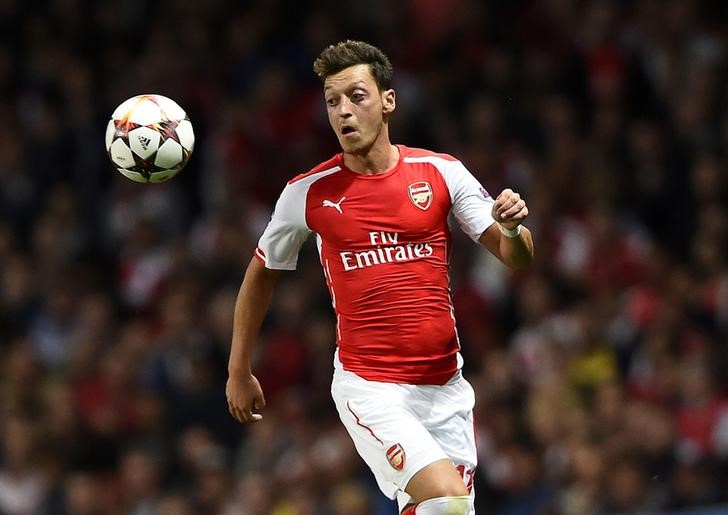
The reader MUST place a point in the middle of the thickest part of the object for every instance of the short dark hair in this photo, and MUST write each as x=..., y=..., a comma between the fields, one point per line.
x=345, y=54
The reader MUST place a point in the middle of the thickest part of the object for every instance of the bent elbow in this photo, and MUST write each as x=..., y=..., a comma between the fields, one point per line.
x=520, y=262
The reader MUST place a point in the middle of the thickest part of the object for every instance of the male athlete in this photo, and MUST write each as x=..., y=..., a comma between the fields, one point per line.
x=380, y=215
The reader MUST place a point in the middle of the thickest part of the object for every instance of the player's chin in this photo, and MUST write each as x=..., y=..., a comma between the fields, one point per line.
x=352, y=145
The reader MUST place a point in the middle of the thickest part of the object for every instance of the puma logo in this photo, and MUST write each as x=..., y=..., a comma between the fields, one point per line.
x=335, y=205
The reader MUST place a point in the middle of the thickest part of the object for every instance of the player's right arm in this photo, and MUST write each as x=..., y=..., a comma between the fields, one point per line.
x=243, y=391
x=277, y=250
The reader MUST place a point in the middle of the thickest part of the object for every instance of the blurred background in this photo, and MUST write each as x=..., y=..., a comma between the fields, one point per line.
x=600, y=372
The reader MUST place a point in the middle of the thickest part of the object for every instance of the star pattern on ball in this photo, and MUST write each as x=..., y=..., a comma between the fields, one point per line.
x=149, y=138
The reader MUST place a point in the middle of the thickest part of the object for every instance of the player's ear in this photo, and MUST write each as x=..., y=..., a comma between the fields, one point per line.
x=388, y=101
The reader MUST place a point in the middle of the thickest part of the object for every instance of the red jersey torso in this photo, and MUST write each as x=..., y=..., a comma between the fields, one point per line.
x=384, y=243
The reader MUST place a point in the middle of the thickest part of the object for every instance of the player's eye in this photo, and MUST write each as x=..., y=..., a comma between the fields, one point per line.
x=357, y=97
x=331, y=102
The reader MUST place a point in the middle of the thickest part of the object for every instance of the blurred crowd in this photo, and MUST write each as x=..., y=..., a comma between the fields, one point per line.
x=600, y=372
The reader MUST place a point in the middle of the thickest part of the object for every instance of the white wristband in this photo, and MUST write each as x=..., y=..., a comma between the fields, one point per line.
x=510, y=233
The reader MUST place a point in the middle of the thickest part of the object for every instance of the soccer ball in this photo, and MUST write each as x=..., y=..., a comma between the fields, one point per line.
x=149, y=138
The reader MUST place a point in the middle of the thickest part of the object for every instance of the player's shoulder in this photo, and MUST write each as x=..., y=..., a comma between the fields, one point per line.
x=448, y=166
x=330, y=165
x=413, y=154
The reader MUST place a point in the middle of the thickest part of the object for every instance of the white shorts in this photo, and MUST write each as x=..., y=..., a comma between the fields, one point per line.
x=399, y=429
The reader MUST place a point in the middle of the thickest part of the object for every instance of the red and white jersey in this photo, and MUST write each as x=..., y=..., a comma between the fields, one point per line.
x=384, y=245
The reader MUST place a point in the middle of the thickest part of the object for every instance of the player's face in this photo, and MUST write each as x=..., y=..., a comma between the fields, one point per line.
x=356, y=107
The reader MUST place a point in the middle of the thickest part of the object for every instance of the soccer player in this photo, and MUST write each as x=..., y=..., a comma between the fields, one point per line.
x=380, y=216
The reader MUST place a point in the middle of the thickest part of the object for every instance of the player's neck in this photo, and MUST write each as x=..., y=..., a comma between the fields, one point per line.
x=379, y=158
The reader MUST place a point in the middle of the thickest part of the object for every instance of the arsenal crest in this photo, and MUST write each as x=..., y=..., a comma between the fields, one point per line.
x=395, y=454
x=420, y=193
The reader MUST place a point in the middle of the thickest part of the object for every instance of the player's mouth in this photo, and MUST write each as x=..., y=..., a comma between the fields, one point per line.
x=346, y=130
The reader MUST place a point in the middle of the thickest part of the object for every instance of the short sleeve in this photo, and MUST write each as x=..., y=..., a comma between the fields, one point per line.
x=471, y=204
x=286, y=232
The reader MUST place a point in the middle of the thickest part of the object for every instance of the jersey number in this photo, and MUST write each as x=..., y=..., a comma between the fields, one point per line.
x=467, y=475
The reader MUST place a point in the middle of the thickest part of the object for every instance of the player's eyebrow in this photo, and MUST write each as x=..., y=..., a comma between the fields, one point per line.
x=358, y=84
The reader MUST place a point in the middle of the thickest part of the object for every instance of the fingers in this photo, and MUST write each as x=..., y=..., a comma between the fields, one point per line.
x=509, y=207
x=259, y=402
x=243, y=415
x=505, y=201
x=512, y=212
x=236, y=412
x=243, y=396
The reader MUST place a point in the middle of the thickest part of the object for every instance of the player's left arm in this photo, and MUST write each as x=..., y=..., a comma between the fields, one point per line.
x=507, y=238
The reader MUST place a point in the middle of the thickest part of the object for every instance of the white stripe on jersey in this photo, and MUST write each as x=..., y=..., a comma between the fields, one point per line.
x=287, y=229
x=471, y=206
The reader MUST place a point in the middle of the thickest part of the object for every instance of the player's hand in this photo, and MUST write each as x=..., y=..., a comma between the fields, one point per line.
x=244, y=394
x=509, y=209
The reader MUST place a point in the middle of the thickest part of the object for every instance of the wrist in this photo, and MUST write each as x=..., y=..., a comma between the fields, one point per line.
x=510, y=233
x=239, y=372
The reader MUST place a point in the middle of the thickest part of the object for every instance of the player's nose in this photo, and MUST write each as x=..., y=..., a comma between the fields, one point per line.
x=344, y=108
